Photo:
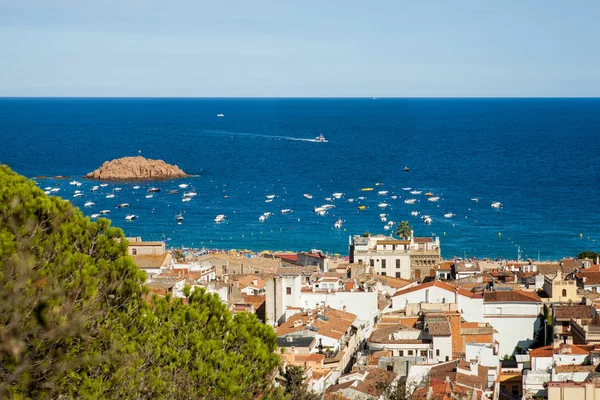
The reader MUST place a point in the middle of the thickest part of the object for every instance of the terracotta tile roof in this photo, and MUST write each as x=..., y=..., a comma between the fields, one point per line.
x=575, y=368
x=438, y=284
x=439, y=328
x=393, y=241
x=574, y=312
x=248, y=281
x=548, y=351
x=470, y=294
x=423, y=240
x=440, y=391
x=375, y=376
x=393, y=282
x=445, y=266
x=591, y=278
x=336, y=325
x=140, y=244
x=384, y=335
x=150, y=261
x=288, y=269
x=511, y=296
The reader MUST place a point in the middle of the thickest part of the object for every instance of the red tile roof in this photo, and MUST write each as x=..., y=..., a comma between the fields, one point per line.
x=517, y=296
x=439, y=284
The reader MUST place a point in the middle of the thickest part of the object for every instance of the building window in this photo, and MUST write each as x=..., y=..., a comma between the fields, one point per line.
x=447, y=358
x=401, y=353
x=383, y=273
x=410, y=352
x=390, y=367
x=288, y=290
x=515, y=390
x=417, y=274
x=372, y=262
x=397, y=274
x=564, y=293
x=397, y=263
x=423, y=353
x=134, y=251
x=437, y=352
x=382, y=263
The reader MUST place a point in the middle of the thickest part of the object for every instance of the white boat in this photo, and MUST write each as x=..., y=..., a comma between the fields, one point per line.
x=286, y=211
x=78, y=195
x=95, y=215
x=104, y=212
x=117, y=189
x=328, y=206
x=179, y=217
x=77, y=191
x=383, y=219
x=410, y=201
x=89, y=204
x=386, y=228
x=394, y=197
x=183, y=185
x=94, y=188
x=47, y=191
x=103, y=184
x=130, y=217
x=433, y=199
x=338, y=224
x=262, y=218
x=328, y=199
x=219, y=218
x=153, y=189
x=267, y=214
x=136, y=187
x=496, y=204
x=48, y=188
x=308, y=196
x=270, y=196
x=427, y=221
x=406, y=188
x=350, y=200
x=190, y=194
x=475, y=199
x=268, y=200
x=382, y=215
x=149, y=196
x=186, y=199
x=73, y=183
x=383, y=205
x=221, y=115
x=425, y=216
x=321, y=139
x=110, y=196
x=337, y=195
x=448, y=215
x=54, y=190
x=414, y=213
x=416, y=191
x=362, y=198
x=382, y=192
x=391, y=223
x=123, y=205
x=318, y=210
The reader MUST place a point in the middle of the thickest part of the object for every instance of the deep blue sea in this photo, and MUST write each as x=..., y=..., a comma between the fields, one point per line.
x=538, y=157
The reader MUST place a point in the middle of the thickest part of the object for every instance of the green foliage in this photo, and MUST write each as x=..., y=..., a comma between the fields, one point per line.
x=366, y=234
x=76, y=320
x=403, y=230
x=588, y=254
x=294, y=386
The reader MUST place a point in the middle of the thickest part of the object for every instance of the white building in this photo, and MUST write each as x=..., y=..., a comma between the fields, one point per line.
x=515, y=316
x=387, y=256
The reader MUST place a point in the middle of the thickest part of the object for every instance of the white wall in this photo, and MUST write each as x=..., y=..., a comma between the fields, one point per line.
x=444, y=345
x=432, y=294
x=570, y=376
x=511, y=308
x=541, y=363
x=569, y=359
x=470, y=308
x=483, y=352
x=513, y=332
x=361, y=304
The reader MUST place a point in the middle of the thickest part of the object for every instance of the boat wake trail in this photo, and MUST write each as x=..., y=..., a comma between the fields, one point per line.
x=255, y=135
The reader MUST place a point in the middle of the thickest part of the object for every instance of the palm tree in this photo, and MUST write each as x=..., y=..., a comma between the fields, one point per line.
x=404, y=230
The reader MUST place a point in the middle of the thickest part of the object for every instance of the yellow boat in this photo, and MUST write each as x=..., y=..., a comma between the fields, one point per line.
x=362, y=207
x=428, y=194
x=366, y=189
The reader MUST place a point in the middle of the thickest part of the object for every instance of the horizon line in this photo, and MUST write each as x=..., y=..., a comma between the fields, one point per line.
x=300, y=97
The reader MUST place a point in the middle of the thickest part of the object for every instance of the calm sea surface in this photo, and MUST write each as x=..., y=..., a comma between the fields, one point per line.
x=538, y=157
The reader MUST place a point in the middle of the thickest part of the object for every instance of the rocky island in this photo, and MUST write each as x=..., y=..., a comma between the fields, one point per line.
x=136, y=168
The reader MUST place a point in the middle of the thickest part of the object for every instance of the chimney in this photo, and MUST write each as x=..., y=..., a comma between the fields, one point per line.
x=556, y=343
x=255, y=282
x=430, y=392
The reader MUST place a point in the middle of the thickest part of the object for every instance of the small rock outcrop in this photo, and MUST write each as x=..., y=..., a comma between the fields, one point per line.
x=136, y=168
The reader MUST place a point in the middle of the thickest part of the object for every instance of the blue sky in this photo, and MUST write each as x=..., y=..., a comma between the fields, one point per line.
x=299, y=48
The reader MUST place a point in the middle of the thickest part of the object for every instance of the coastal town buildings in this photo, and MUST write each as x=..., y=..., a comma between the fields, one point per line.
x=413, y=258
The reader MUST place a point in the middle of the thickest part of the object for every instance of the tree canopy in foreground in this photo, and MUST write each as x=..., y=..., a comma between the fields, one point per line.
x=77, y=322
